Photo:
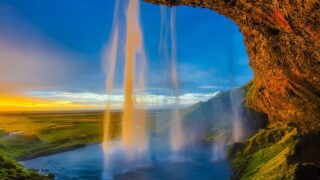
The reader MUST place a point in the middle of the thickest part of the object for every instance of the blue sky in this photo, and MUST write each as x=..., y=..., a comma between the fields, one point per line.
x=57, y=46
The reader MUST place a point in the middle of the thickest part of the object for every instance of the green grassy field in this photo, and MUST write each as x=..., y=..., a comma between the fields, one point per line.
x=28, y=135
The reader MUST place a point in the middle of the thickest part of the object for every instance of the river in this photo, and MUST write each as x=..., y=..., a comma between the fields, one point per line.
x=87, y=163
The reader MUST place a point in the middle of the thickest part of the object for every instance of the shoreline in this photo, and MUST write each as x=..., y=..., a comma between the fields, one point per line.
x=53, y=152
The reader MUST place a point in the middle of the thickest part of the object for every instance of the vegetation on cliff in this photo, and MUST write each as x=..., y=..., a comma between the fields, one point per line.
x=274, y=153
x=283, y=150
x=10, y=169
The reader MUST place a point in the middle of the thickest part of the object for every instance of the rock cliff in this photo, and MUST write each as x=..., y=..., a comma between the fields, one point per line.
x=282, y=38
x=283, y=43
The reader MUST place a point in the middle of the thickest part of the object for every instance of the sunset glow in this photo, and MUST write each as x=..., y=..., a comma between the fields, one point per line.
x=22, y=103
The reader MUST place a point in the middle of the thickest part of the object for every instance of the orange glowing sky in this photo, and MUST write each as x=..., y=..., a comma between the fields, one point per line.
x=10, y=103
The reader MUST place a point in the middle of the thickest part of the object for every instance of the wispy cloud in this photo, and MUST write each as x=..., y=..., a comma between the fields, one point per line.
x=99, y=100
x=208, y=87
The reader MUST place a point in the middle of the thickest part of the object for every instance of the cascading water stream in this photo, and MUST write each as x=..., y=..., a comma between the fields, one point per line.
x=176, y=133
x=238, y=134
x=133, y=145
x=235, y=98
x=110, y=58
x=133, y=130
x=133, y=121
x=175, y=123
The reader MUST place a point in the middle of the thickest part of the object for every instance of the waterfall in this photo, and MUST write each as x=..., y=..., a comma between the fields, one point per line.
x=219, y=149
x=238, y=134
x=133, y=131
x=110, y=60
x=175, y=123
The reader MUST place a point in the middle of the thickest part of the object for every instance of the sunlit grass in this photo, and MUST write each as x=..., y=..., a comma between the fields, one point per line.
x=34, y=134
x=265, y=155
x=28, y=135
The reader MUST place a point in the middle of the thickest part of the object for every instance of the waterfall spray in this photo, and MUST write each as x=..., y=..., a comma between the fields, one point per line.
x=133, y=120
x=238, y=134
x=234, y=96
x=127, y=129
x=133, y=135
x=219, y=148
x=111, y=57
x=140, y=111
x=176, y=133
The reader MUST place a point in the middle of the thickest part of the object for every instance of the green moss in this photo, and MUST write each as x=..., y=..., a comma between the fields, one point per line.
x=265, y=155
x=234, y=149
x=249, y=93
x=10, y=169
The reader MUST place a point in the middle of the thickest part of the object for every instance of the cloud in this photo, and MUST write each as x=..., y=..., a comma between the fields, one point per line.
x=97, y=101
x=208, y=87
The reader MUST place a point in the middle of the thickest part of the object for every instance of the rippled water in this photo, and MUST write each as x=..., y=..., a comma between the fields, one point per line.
x=87, y=163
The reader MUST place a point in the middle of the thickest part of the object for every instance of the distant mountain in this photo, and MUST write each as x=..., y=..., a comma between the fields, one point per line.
x=218, y=114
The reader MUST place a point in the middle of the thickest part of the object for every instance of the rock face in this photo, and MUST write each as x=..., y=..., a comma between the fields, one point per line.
x=282, y=38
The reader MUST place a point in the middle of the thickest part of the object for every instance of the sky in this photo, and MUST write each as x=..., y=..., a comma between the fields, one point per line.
x=52, y=54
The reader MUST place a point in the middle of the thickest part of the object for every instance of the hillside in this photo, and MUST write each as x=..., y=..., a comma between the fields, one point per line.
x=10, y=169
x=218, y=113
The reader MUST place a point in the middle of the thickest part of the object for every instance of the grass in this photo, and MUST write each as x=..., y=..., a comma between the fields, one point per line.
x=35, y=134
x=266, y=155
x=29, y=135
x=10, y=169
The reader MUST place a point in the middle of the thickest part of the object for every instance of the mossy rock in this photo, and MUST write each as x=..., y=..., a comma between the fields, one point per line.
x=272, y=154
x=234, y=149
